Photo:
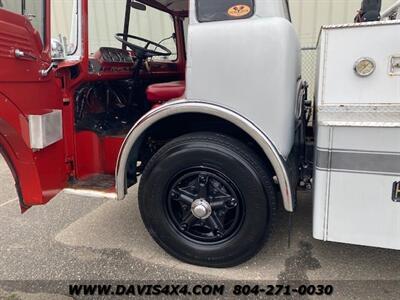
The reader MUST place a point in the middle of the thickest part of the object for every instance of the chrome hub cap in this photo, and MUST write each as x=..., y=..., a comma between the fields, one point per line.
x=201, y=209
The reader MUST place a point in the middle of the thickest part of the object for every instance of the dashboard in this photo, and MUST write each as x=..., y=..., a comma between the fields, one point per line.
x=111, y=60
x=114, y=55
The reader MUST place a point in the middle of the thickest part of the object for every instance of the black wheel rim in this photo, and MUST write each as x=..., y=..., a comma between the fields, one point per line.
x=218, y=196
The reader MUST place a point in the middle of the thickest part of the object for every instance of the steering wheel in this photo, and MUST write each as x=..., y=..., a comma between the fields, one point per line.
x=143, y=51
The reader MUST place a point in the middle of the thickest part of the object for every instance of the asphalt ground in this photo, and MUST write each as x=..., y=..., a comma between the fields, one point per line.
x=75, y=239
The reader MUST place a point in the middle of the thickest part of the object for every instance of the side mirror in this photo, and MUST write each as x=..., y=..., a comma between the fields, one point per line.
x=57, y=50
x=138, y=6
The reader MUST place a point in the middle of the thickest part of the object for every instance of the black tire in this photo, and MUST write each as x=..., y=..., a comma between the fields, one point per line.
x=225, y=167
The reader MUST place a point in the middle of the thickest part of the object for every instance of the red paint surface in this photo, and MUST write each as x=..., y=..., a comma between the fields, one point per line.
x=95, y=154
x=23, y=91
x=42, y=174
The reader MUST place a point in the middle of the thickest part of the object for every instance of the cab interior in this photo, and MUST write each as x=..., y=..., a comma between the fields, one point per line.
x=130, y=70
x=126, y=82
x=127, y=76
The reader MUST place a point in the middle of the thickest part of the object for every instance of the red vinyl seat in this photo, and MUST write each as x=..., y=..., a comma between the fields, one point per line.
x=162, y=92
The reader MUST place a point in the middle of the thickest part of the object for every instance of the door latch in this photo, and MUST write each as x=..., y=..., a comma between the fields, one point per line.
x=45, y=72
x=23, y=55
x=394, y=69
x=396, y=192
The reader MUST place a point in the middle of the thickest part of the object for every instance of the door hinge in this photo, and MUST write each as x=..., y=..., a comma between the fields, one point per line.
x=70, y=167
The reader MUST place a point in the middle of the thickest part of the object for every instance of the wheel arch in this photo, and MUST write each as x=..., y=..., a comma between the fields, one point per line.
x=17, y=154
x=176, y=109
x=11, y=165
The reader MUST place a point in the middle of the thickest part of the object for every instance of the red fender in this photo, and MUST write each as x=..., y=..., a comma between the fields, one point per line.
x=33, y=189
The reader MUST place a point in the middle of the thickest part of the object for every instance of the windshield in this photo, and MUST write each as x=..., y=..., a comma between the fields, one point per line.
x=106, y=18
x=64, y=19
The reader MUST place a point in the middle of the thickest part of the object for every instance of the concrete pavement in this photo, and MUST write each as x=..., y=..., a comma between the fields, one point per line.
x=75, y=238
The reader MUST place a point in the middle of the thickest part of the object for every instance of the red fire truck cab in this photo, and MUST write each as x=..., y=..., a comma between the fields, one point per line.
x=88, y=115
x=63, y=121
x=202, y=102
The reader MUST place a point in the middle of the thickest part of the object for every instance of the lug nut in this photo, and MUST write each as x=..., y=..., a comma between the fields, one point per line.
x=232, y=203
x=202, y=179
x=174, y=195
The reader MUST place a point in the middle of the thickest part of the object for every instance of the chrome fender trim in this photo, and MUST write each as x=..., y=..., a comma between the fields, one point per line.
x=185, y=106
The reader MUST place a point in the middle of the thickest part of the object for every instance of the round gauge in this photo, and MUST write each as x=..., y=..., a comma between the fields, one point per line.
x=364, y=67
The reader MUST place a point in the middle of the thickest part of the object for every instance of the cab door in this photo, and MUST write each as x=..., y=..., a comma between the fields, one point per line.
x=31, y=108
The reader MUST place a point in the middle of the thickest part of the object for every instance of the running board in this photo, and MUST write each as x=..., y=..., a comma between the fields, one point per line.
x=90, y=193
x=96, y=186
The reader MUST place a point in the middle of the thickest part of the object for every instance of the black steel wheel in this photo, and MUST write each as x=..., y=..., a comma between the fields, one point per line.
x=207, y=199
x=204, y=205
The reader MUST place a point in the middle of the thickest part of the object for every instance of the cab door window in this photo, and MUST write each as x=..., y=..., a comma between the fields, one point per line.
x=34, y=10
x=64, y=24
x=157, y=26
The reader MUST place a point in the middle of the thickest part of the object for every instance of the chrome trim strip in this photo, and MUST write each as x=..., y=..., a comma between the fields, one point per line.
x=90, y=193
x=360, y=162
x=364, y=24
x=357, y=172
x=357, y=115
x=185, y=106
x=358, y=151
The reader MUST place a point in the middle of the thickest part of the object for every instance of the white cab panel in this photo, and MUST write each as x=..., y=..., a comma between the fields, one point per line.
x=251, y=66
